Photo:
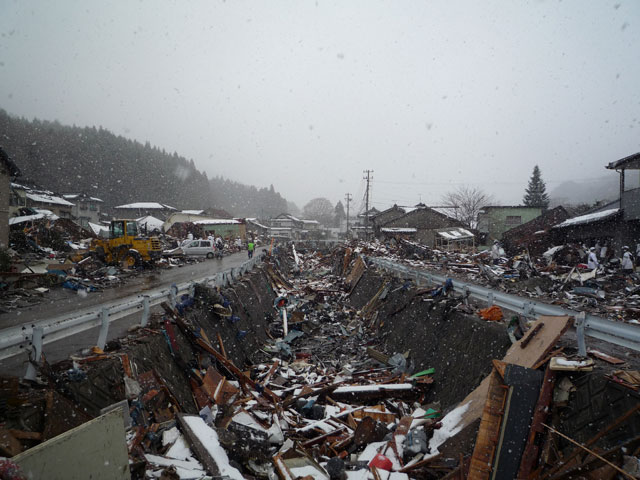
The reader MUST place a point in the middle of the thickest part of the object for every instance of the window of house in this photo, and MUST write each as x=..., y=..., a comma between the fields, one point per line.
x=513, y=220
x=93, y=207
x=83, y=206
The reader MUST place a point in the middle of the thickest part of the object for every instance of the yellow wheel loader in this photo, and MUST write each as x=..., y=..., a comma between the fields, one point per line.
x=125, y=245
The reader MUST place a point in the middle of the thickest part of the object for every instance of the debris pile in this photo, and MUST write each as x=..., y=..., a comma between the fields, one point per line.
x=559, y=276
x=316, y=366
x=49, y=252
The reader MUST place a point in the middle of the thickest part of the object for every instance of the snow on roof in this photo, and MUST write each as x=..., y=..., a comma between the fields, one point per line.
x=589, y=218
x=25, y=218
x=447, y=212
x=147, y=206
x=152, y=222
x=456, y=234
x=48, y=198
x=192, y=212
x=96, y=229
x=398, y=230
x=280, y=229
x=73, y=196
x=256, y=222
x=40, y=214
x=315, y=222
x=217, y=221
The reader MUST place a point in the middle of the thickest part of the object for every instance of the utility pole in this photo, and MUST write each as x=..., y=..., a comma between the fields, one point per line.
x=348, y=199
x=366, y=211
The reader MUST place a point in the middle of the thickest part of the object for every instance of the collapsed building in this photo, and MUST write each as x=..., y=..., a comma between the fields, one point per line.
x=319, y=365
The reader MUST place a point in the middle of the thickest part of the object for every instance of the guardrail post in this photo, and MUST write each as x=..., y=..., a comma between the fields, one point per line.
x=36, y=353
x=580, y=324
x=465, y=294
x=145, y=311
x=173, y=294
x=104, y=328
x=528, y=309
x=490, y=299
x=192, y=289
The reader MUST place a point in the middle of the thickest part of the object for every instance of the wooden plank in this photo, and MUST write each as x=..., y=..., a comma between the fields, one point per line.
x=532, y=449
x=607, y=358
x=529, y=356
x=489, y=432
x=533, y=332
x=356, y=273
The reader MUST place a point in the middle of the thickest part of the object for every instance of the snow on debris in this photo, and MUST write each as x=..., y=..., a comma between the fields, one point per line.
x=25, y=218
x=591, y=217
x=96, y=229
x=450, y=427
x=152, y=223
x=209, y=438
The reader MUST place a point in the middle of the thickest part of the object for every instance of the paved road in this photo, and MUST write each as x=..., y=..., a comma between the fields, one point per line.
x=61, y=300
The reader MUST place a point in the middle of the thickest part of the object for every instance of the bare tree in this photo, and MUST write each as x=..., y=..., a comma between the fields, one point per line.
x=319, y=209
x=469, y=201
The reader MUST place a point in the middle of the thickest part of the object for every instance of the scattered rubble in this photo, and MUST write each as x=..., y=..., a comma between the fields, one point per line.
x=317, y=366
x=558, y=276
x=49, y=252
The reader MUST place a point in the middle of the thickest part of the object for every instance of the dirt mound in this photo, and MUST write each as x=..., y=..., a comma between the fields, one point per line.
x=460, y=347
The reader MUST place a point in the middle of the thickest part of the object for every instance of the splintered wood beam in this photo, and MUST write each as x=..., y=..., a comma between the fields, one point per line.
x=221, y=345
x=591, y=452
x=566, y=461
x=532, y=333
x=239, y=374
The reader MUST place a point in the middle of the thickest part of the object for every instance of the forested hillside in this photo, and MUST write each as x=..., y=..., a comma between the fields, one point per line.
x=119, y=170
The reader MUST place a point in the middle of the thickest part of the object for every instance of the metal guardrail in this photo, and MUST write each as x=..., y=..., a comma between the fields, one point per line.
x=21, y=338
x=616, y=333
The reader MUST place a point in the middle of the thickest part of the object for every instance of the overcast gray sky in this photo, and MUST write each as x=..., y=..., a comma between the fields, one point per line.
x=307, y=94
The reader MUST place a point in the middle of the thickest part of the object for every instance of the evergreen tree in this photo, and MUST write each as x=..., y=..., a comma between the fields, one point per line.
x=536, y=192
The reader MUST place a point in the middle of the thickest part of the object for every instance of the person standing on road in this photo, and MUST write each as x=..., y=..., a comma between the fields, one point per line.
x=250, y=248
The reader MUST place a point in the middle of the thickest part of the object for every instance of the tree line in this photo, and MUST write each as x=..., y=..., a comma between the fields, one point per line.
x=118, y=170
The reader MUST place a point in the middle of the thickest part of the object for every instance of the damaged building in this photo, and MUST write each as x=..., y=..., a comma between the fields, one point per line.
x=617, y=223
x=319, y=364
